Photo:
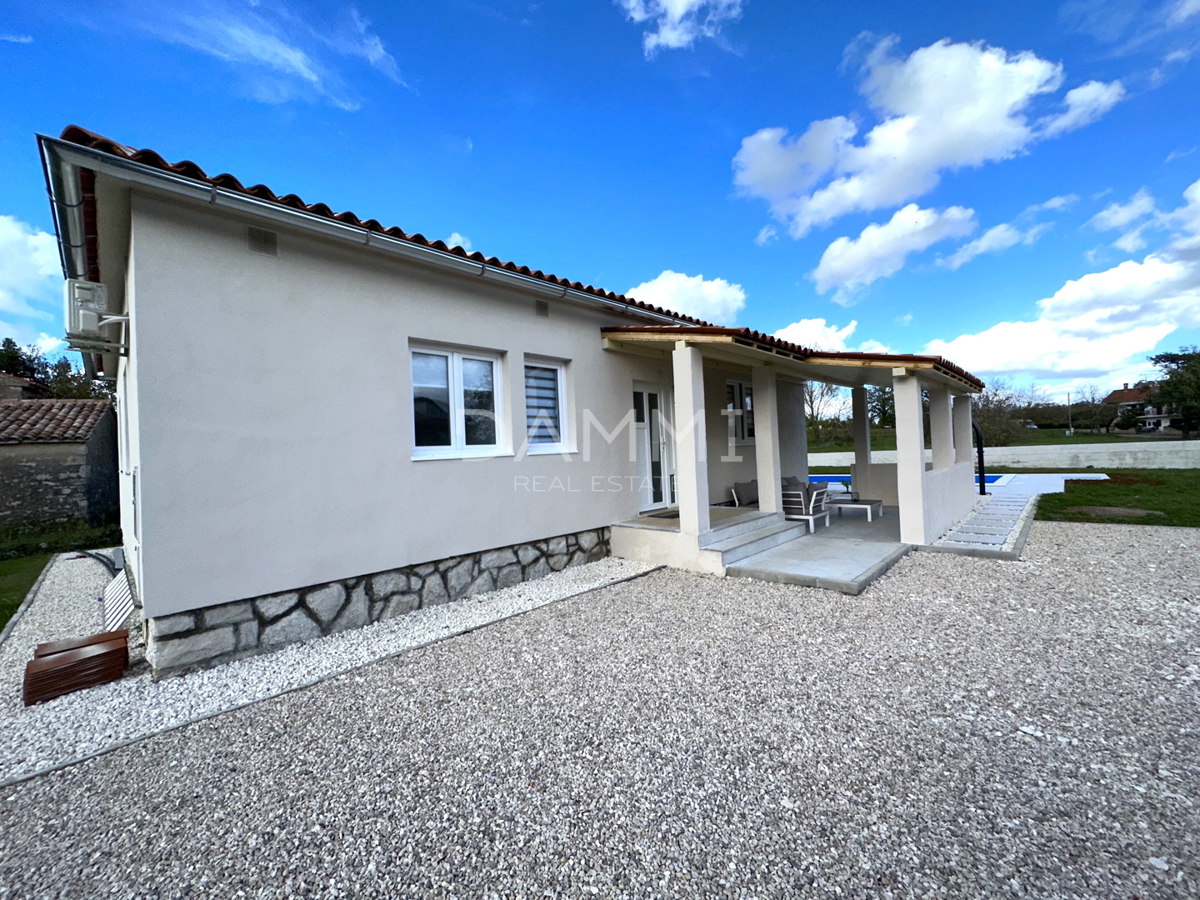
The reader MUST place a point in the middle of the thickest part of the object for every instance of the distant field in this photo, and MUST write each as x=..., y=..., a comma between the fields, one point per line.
x=885, y=439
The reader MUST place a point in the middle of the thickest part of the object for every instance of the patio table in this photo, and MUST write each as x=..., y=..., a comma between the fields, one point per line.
x=871, y=506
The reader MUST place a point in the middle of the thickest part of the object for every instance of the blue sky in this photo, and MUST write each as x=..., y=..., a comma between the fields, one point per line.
x=1006, y=184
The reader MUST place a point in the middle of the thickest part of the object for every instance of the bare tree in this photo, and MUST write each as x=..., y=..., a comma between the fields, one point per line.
x=822, y=400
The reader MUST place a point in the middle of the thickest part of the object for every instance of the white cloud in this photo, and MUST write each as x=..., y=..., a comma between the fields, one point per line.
x=816, y=334
x=50, y=345
x=29, y=268
x=1182, y=11
x=1054, y=204
x=1085, y=104
x=711, y=299
x=994, y=240
x=459, y=240
x=16, y=38
x=279, y=55
x=880, y=250
x=1101, y=323
x=945, y=107
x=905, y=319
x=766, y=234
x=679, y=23
x=1119, y=215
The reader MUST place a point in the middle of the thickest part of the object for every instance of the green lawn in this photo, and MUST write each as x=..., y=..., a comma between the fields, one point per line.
x=16, y=578
x=1173, y=492
x=885, y=439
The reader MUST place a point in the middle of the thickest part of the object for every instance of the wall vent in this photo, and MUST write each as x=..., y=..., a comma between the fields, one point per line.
x=543, y=309
x=259, y=240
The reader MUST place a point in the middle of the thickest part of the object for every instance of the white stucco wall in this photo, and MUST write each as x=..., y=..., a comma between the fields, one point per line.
x=950, y=495
x=273, y=412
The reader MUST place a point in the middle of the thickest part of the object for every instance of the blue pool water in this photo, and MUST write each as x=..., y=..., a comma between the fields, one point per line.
x=845, y=479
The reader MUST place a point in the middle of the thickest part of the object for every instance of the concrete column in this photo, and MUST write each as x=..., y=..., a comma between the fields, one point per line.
x=941, y=432
x=910, y=456
x=962, y=428
x=691, y=440
x=793, y=430
x=861, y=422
x=766, y=439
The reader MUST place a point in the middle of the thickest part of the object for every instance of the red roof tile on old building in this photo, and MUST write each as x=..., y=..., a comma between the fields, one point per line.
x=50, y=421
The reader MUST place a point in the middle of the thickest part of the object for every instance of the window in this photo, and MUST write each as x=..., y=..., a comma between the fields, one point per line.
x=454, y=404
x=545, y=418
x=739, y=400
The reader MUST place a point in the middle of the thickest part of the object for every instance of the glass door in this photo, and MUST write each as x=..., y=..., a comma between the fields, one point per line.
x=655, y=473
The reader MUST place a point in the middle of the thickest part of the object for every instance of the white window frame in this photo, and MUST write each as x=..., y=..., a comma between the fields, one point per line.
x=563, y=445
x=737, y=420
x=458, y=447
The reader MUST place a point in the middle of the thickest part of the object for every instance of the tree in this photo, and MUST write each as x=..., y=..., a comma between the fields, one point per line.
x=881, y=406
x=821, y=400
x=995, y=411
x=59, y=378
x=1179, y=387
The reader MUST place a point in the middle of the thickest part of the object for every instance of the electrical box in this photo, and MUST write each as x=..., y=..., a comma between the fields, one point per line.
x=87, y=302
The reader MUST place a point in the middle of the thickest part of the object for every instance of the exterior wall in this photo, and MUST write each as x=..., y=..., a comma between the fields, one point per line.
x=276, y=397
x=726, y=464
x=260, y=624
x=876, y=481
x=949, y=496
x=42, y=483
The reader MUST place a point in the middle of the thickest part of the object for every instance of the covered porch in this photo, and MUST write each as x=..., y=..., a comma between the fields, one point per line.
x=737, y=412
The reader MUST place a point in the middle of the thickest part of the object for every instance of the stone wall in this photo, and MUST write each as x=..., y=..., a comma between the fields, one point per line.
x=247, y=627
x=42, y=483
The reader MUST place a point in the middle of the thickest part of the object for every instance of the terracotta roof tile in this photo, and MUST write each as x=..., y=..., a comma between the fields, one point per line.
x=49, y=421
x=81, y=136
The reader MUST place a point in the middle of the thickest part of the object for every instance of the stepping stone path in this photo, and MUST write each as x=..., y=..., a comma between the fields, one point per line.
x=992, y=530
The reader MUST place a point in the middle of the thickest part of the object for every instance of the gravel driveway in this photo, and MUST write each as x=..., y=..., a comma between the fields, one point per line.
x=966, y=727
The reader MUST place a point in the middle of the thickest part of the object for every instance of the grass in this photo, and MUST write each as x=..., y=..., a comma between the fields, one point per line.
x=1173, y=492
x=885, y=439
x=36, y=540
x=16, y=578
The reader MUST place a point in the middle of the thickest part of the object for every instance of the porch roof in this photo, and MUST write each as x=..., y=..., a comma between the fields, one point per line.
x=748, y=347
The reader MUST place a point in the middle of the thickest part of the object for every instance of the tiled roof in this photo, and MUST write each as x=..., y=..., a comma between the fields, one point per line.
x=76, y=135
x=745, y=335
x=1127, y=395
x=49, y=421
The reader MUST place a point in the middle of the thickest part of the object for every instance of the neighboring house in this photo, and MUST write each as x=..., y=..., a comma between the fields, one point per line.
x=58, y=461
x=324, y=422
x=14, y=388
x=1135, y=401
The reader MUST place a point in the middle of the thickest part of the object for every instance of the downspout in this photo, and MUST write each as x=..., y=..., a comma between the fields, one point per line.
x=979, y=458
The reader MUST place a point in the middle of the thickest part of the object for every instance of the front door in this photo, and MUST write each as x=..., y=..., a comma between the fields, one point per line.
x=655, y=473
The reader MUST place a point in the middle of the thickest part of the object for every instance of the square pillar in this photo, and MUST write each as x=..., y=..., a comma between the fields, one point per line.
x=941, y=432
x=910, y=456
x=962, y=428
x=691, y=440
x=766, y=439
x=793, y=430
x=861, y=423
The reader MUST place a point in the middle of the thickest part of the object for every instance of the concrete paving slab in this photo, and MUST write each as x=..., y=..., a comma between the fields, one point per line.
x=968, y=528
x=836, y=563
x=974, y=538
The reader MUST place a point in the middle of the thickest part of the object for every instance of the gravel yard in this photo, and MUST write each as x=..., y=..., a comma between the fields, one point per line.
x=965, y=727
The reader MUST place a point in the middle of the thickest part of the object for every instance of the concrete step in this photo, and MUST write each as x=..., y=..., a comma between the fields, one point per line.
x=753, y=542
x=754, y=521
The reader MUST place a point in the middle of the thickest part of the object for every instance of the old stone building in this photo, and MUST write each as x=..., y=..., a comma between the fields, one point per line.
x=58, y=461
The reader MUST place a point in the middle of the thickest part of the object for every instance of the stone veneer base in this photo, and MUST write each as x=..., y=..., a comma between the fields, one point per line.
x=217, y=634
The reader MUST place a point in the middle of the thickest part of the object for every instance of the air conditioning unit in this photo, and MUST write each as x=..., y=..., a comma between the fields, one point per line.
x=87, y=303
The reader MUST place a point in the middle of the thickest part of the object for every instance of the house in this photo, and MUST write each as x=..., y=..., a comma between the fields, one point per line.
x=58, y=461
x=1135, y=402
x=325, y=422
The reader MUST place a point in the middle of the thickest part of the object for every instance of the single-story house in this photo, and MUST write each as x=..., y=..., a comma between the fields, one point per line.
x=325, y=421
x=1136, y=401
x=58, y=461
